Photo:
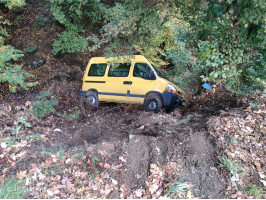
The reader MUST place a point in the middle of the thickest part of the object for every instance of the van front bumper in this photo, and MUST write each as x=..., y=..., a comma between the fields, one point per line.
x=82, y=93
x=171, y=99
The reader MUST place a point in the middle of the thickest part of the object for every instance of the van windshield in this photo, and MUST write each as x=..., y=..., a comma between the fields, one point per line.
x=159, y=72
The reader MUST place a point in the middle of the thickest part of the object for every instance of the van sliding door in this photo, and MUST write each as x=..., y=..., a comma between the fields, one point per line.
x=117, y=83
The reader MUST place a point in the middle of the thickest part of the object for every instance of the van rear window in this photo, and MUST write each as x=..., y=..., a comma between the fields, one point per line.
x=97, y=70
x=119, y=70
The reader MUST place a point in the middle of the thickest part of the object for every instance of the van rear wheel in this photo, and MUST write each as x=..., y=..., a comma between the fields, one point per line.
x=153, y=103
x=92, y=98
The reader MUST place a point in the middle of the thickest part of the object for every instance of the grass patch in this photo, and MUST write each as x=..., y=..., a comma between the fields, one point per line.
x=45, y=153
x=228, y=164
x=34, y=137
x=60, y=153
x=178, y=189
x=255, y=191
x=79, y=154
x=95, y=159
x=13, y=189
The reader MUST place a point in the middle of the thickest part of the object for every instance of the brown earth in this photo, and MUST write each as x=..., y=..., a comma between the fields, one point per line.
x=148, y=138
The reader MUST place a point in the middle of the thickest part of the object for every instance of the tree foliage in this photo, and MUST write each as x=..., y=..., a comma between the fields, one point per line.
x=231, y=48
x=13, y=3
x=75, y=15
x=216, y=41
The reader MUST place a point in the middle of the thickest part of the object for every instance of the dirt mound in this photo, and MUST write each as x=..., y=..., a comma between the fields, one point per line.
x=194, y=151
x=201, y=166
x=143, y=151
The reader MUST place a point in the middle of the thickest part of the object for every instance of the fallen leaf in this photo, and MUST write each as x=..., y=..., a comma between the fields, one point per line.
x=50, y=193
x=106, y=166
x=263, y=182
x=153, y=188
x=262, y=175
x=21, y=174
x=139, y=193
x=3, y=145
x=41, y=176
x=114, y=182
x=44, y=138
x=189, y=194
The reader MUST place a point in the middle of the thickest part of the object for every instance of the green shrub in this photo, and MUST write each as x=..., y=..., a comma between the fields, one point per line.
x=69, y=42
x=44, y=105
x=72, y=115
x=31, y=49
x=19, y=124
x=11, y=73
x=43, y=21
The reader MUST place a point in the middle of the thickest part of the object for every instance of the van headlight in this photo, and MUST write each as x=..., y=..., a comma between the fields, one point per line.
x=171, y=88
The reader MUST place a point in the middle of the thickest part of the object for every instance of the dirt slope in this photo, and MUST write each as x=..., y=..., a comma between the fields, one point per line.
x=146, y=139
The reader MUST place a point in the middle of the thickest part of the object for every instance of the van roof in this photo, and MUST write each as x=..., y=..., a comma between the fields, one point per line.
x=136, y=58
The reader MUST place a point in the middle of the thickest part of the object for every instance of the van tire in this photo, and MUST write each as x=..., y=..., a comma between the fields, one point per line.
x=92, y=98
x=153, y=103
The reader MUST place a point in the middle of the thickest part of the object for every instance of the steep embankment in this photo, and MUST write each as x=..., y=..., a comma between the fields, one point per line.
x=118, y=151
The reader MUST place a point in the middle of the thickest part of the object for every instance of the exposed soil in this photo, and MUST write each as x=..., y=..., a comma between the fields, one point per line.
x=147, y=138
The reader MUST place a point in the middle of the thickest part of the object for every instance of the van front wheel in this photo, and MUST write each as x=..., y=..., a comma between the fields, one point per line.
x=92, y=99
x=153, y=103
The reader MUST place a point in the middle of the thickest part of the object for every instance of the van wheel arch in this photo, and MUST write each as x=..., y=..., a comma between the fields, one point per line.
x=153, y=93
x=92, y=90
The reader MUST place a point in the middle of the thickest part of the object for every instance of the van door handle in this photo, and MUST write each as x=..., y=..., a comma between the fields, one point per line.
x=128, y=82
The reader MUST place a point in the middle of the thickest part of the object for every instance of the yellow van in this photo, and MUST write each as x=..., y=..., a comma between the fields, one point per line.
x=132, y=80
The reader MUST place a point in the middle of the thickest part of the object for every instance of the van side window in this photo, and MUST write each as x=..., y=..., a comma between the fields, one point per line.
x=141, y=70
x=119, y=70
x=97, y=70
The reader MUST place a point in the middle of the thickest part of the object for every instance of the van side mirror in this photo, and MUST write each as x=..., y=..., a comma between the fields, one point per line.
x=151, y=75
